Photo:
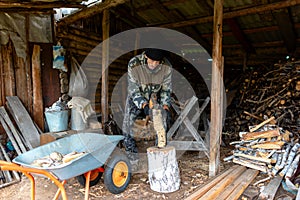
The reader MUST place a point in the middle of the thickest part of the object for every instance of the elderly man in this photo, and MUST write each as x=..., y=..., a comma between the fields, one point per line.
x=148, y=73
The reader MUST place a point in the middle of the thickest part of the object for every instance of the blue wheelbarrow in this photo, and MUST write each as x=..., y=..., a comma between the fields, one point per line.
x=101, y=157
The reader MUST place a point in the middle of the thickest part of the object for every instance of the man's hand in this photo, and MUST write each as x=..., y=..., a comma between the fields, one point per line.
x=146, y=109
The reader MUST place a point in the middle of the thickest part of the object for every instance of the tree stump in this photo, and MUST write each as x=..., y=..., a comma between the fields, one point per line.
x=163, y=171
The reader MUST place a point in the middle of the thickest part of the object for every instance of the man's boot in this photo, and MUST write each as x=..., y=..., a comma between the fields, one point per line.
x=131, y=151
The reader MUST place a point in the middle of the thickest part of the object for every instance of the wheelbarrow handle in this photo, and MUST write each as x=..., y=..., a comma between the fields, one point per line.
x=4, y=165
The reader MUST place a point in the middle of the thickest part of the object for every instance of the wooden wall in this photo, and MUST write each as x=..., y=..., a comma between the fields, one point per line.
x=33, y=80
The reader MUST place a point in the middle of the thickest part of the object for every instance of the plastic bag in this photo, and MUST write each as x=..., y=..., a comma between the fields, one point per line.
x=59, y=58
x=78, y=85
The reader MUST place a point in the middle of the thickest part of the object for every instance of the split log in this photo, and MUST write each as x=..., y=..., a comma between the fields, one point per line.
x=290, y=159
x=293, y=167
x=260, y=159
x=263, y=134
x=163, y=171
x=252, y=165
x=269, y=145
x=262, y=124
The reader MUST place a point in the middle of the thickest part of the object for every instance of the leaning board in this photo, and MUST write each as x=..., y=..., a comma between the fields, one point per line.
x=23, y=120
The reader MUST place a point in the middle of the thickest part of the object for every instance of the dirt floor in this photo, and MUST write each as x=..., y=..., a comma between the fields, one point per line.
x=193, y=172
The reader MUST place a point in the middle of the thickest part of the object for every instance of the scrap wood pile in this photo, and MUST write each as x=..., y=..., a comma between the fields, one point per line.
x=23, y=137
x=269, y=91
x=270, y=149
x=227, y=186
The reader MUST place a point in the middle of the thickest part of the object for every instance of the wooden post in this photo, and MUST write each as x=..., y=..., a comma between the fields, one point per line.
x=216, y=105
x=105, y=60
x=2, y=89
x=37, y=88
x=8, y=69
x=163, y=171
x=28, y=71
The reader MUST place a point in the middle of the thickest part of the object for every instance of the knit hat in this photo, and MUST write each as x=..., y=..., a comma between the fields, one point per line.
x=155, y=54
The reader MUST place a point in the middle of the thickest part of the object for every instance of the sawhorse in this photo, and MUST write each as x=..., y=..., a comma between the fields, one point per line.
x=197, y=144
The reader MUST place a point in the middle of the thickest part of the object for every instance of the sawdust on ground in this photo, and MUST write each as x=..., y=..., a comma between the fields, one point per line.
x=193, y=172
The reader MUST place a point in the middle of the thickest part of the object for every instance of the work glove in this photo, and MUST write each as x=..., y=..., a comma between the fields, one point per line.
x=146, y=110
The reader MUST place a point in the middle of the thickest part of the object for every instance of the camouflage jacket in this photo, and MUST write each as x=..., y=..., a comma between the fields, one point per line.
x=143, y=81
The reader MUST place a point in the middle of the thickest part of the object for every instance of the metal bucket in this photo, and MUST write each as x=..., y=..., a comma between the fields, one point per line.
x=77, y=122
x=57, y=120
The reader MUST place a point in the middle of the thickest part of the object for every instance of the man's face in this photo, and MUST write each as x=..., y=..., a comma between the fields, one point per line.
x=152, y=64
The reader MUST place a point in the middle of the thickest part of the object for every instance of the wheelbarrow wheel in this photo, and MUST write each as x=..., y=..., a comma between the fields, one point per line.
x=117, y=173
x=94, y=178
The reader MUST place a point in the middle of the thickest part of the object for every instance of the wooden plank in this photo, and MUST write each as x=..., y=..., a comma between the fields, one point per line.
x=212, y=182
x=23, y=120
x=239, y=186
x=216, y=91
x=105, y=61
x=219, y=187
x=38, y=110
x=271, y=189
x=11, y=132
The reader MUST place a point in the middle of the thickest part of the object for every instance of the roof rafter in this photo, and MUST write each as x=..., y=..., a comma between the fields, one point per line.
x=90, y=11
x=237, y=13
x=286, y=29
x=239, y=35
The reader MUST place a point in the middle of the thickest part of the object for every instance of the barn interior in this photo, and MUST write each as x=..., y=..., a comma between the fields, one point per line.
x=254, y=48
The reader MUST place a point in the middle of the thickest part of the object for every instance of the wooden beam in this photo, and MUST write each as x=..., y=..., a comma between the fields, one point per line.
x=239, y=35
x=105, y=62
x=233, y=14
x=216, y=91
x=286, y=29
x=90, y=11
x=40, y=5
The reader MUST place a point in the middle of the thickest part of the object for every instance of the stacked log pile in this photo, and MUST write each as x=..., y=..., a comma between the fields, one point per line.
x=269, y=149
x=268, y=92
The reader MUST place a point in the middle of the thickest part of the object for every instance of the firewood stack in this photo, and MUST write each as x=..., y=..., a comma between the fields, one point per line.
x=266, y=92
x=269, y=149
